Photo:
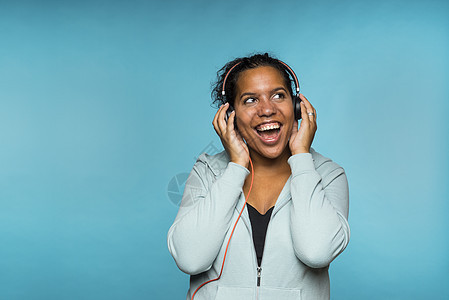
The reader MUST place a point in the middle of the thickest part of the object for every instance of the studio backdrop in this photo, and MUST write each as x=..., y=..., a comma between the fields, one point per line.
x=105, y=106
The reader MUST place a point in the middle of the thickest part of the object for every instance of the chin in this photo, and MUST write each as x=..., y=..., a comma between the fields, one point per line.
x=272, y=152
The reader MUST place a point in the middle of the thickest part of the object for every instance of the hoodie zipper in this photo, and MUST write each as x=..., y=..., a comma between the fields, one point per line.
x=259, y=268
x=259, y=271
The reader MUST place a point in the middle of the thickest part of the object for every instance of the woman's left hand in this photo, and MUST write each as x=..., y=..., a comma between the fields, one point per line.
x=301, y=139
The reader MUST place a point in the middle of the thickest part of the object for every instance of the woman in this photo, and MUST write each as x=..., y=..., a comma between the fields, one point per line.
x=294, y=222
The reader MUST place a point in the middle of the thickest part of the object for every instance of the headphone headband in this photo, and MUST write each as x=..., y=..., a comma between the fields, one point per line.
x=226, y=77
x=289, y=70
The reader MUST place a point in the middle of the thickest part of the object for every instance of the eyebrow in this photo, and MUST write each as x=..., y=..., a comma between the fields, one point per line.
x=271, y=92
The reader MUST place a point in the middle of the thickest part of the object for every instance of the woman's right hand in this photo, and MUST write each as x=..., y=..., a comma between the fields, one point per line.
x=230, y=137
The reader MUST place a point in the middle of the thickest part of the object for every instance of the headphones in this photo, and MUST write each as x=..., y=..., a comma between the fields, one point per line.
x=295, y=98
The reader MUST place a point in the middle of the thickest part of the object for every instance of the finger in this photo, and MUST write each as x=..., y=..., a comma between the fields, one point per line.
x=230, y=125
x=311, y=115
x=304, y=114
x=311, y=112
x=221, y=118
x=237, y=135
x=295, y=127
x=307, y=103
x=310, y=109
x=303, y=98
x=215, y=121
x=311, y=106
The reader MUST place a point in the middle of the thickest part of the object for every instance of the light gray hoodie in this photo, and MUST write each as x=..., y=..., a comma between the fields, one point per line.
x=307, y=230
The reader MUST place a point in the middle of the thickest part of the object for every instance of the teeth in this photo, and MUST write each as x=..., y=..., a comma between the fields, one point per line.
x=268, y=127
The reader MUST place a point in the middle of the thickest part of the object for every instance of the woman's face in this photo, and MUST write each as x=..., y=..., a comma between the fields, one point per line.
x=264, y=110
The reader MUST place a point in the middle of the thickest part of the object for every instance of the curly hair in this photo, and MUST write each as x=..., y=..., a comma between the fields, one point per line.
x=241, y=64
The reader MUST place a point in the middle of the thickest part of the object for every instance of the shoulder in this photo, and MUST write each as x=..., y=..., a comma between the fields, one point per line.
x=324, y=165
x=214, y=163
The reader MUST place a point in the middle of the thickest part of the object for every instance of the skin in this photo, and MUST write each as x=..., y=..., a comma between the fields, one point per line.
x=261, y=96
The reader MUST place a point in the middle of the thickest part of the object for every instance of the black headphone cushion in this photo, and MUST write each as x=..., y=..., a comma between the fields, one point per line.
x=297, y=107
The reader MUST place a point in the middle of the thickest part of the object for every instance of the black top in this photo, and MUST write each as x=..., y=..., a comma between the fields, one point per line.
x=259, y=224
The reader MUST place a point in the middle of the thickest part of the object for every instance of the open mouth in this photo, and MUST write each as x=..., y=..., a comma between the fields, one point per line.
x=269, y=132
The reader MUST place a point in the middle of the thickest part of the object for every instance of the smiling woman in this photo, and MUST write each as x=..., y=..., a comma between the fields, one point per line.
x=293, y=206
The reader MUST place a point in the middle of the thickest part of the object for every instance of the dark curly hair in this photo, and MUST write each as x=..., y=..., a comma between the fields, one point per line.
x=244, y=63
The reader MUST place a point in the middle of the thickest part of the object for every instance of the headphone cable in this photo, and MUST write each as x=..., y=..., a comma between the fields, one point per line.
x=232, y=232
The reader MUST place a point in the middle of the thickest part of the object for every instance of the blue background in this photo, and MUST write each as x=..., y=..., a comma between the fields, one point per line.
x=102, y=103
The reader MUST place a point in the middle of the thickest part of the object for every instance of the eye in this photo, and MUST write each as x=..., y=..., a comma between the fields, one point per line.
x=249, y=100
x=279, y=96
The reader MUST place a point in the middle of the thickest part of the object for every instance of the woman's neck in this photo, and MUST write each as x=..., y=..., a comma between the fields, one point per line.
x=271, y=166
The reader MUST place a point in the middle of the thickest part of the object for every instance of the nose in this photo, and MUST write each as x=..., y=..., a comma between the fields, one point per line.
x=266, y=108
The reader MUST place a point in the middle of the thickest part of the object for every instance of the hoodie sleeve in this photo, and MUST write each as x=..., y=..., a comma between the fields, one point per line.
x=320, y=198
x=204, y=216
